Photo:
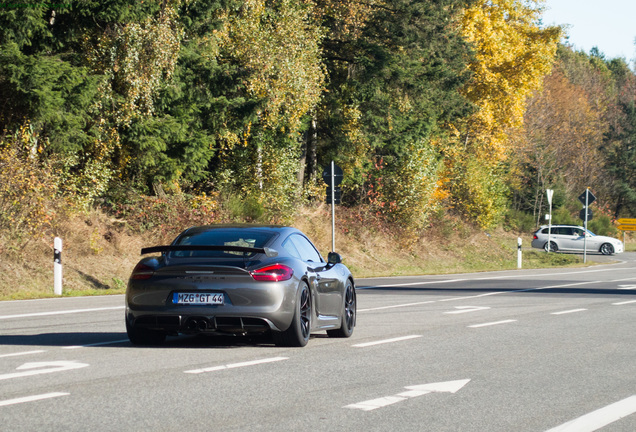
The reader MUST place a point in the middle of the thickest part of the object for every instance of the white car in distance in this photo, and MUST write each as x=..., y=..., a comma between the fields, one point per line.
x=573, y=238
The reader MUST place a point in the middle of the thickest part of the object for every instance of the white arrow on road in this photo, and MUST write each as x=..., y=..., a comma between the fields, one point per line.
x=600, y=418
x=38, y=368
x=464, y=309
x=413, y=391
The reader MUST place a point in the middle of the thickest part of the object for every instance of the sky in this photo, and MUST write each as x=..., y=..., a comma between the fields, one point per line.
x=609, y=25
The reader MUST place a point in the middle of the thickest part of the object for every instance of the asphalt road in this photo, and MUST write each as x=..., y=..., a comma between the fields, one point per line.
x=527, y=350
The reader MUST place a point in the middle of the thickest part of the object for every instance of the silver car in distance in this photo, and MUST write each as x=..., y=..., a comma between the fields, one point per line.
x=573, y=238
x=240, y=280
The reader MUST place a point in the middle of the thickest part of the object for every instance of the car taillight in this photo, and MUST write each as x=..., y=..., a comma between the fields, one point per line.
x=273, y=273
x=142, y=271
x=535, y=237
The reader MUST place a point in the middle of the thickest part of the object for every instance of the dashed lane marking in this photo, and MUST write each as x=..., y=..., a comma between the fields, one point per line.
x=568, y=311
x=492, y=323
x=31, y=398
x=72, y=311
x=386, y=341
x=236, y=365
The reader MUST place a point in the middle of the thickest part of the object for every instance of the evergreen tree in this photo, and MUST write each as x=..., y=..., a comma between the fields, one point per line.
x=393, y=84
x=620, y=141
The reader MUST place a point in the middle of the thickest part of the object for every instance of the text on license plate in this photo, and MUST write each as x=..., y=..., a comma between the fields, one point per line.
x=198, y=298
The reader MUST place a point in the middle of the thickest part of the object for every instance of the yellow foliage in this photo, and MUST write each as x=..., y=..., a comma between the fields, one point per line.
x=27, y=190
x=512, y=55
x=280, y=49
x=136, y=58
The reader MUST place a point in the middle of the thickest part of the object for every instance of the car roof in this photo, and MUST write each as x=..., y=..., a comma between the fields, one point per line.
x=561, y=225
x=278, y=229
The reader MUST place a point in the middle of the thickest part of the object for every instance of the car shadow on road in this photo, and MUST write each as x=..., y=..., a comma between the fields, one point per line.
x=120, y=340
x=498, y=286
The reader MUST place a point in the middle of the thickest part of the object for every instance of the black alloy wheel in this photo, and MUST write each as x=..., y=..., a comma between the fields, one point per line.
x=607, y=249
x=305, y=312
x=297, y=335
x=348, y=319
x=144, y=337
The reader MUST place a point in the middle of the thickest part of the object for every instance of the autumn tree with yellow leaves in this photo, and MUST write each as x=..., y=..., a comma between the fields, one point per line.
x=512, y=55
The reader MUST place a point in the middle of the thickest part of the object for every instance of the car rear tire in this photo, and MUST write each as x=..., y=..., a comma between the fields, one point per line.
x=348, y=318
x=297, y=335
x=144, y=337
x=553, y=247
x=607, y=249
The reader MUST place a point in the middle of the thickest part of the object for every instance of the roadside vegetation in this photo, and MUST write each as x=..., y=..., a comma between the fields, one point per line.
x=101, y=248
x=122, y=123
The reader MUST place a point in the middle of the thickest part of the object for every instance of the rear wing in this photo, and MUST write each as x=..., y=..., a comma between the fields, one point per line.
x=175, y=248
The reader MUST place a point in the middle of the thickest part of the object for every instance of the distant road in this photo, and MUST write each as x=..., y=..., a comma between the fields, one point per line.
x=527, y=350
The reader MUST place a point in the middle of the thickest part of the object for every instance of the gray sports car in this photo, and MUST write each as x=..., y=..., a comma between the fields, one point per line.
x=239, y=279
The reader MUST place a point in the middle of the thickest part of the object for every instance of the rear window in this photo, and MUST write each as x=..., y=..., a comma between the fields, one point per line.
x=223, y=237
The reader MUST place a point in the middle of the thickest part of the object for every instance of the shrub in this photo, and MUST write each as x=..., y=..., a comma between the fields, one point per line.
x=27, y=195
x=519, y=221
x=168, y=215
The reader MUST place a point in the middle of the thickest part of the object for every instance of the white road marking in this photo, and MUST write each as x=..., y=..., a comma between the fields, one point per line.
x=559, y=286
x=513, y=275
x=466, y=309
x=470, y=297
x=372, y=404
x=568, y=311
x=627, y=287
x=96, y=344
x=413, y=283
x=236, y=365
x=599, y=418
x=624, y=303
x=61, y=299
x=492, y=323
x=476, y=296
x=396, y=306
x=413, y=391
x=385, y=341
x=22, y=353
x=37, y=314
x=40, y=368
x=31, y=398
x=622, y=280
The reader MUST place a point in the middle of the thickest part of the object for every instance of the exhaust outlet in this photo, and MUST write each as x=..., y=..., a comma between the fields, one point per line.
x=202, y=325
x=192, y=324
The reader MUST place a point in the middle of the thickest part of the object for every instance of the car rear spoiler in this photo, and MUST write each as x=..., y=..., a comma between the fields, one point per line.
x=174, y=248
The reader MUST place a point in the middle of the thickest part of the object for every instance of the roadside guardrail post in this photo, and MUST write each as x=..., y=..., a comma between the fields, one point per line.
x=519, y=253
x=57, y=266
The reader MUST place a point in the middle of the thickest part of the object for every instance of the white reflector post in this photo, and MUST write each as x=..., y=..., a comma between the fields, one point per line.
x=57, y=266
x=519, y=253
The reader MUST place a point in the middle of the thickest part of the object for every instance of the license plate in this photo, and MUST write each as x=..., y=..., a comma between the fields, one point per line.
x=198, y=298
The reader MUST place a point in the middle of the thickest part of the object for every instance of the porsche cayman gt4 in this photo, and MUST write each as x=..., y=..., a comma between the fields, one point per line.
x=239, y=280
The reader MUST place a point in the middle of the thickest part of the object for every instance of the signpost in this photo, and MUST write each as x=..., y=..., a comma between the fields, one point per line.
x=626, y=224
x=627, y=227
x=586, y=198
x=332, y=176
x=549, y=193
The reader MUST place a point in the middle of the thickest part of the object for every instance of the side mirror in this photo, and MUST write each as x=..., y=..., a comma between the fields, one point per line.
x=334, y=258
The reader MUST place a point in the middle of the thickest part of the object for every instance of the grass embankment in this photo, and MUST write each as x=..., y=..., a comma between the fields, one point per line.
x=100, y=252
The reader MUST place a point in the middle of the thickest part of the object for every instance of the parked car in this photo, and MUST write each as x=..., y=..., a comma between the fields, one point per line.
x=573, y=238
x=239, y=279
